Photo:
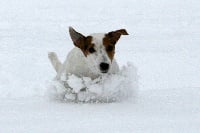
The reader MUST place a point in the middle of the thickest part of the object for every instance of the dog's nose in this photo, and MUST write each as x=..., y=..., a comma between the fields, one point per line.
x=104, y=67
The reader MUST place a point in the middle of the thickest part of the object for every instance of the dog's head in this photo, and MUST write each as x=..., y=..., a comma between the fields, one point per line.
x=99, y=48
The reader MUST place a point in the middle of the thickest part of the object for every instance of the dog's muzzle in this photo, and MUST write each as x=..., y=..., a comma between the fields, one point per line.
x=104, y=67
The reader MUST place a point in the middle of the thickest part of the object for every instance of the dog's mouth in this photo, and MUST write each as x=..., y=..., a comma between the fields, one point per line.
x=104, y=71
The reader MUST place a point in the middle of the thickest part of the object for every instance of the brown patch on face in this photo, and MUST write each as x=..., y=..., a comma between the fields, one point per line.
x=115, y=35
x=88, y=46
x=109, y=46
x=82, y=42
x=111, y=39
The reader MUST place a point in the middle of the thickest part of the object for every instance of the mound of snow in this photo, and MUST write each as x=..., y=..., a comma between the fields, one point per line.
x=107, y=88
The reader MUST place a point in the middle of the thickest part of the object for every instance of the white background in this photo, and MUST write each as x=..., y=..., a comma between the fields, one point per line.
x=164, y=44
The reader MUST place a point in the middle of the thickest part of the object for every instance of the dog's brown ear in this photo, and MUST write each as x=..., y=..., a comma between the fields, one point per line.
x=122, y=31
x=77, y=38
x=115, y=35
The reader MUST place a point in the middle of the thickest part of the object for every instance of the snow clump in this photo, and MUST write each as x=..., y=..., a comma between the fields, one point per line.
x=107, y=88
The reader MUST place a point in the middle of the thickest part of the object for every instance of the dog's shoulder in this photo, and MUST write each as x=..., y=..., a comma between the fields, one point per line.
x=75, y=63
x=74, y=54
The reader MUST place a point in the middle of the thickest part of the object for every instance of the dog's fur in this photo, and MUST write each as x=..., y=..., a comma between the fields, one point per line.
x=93, y=55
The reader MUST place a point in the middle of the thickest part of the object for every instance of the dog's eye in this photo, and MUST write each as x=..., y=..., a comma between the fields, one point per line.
x=92, y=50
x=109, y=48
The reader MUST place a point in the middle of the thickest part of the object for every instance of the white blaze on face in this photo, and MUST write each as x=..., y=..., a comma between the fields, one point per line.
x=100, y=55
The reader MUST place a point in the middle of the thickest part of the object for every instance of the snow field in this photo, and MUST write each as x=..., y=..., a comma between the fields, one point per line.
x=163, y=44
x=108, y=88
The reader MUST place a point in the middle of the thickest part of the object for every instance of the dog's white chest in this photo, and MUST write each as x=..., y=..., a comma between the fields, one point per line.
x=77, y=64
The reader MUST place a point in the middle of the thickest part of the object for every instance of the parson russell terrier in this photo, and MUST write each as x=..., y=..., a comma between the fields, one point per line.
x=92, y=55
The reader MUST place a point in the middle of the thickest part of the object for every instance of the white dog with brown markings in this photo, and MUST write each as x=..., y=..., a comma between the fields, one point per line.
x=92, y=57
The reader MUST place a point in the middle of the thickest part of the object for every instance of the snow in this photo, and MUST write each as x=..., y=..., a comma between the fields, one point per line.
x=107, y=88
x=163, y=44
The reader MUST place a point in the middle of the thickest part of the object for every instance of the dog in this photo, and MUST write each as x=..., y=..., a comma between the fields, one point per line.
x=92, y=56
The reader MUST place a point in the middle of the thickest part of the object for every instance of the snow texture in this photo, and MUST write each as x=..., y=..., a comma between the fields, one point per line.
x=107, y=88
x=163, y=43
